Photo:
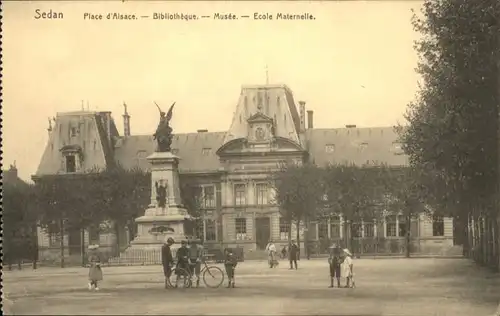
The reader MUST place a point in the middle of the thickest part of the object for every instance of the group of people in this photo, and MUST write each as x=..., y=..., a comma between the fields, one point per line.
x=340, y=261
x=189, y=258
x=292, y=251
x=341, y=266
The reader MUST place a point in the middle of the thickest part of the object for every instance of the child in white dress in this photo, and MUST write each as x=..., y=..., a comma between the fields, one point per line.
x=347, y=267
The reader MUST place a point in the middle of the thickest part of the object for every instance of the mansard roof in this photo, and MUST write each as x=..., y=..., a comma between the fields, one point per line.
x=273, y=101
x=355, y=145
x=197, y=151
x=92, y=132
x=338, y=145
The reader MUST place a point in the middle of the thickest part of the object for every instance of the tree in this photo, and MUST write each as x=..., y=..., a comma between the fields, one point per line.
x=192, y=199
x=354, y=192
x=68, y=203
x=453, y=124
x=405, y=197
x=299, y=193
x=72, y=203
x=125, y=195
x=19, y=224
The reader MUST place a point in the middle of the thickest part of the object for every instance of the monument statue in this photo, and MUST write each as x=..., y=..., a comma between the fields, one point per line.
x=161, y=194
x=163, y=134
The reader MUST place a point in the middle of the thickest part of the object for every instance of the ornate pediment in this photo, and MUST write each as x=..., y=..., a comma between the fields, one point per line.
x=71, y=149
x=259, y=118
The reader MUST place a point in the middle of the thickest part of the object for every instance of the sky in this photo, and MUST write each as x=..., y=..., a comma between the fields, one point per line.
x=353, y=64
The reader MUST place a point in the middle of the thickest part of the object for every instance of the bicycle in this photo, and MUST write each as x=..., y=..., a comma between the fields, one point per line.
x=183, y=274
x=209, y=274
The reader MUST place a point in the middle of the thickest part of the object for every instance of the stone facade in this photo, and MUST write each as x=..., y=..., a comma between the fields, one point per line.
x=232, y=168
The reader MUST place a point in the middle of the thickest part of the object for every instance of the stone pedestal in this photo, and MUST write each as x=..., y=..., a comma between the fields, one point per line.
x=164, y=170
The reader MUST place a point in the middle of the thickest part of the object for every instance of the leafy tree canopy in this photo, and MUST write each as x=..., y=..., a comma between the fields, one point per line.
x=453, y=123
x=299, y=190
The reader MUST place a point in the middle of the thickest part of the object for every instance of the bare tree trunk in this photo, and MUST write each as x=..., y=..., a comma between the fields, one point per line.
x=61, y=230
x=306, y=238
x=298, y=236
x=408, y=236
x=82, y=246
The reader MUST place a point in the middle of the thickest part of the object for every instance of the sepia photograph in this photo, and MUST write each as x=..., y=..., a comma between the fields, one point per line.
x=251, y=157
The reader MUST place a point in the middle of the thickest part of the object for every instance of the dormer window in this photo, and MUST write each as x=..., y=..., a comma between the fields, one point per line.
x=330, y=148
x=206, y=151
x=397, y=148
x=73, y=157
x=362, y=146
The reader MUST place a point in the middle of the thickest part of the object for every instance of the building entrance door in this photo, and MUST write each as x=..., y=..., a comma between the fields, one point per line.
x=262, y=232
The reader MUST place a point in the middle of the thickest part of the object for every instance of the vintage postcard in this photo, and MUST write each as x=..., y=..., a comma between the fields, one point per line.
x=251, y=157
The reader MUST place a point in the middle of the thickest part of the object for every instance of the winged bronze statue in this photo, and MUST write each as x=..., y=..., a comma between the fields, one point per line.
x=163, y=134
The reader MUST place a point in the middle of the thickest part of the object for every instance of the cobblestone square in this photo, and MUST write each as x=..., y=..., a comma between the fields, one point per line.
x=384, y=287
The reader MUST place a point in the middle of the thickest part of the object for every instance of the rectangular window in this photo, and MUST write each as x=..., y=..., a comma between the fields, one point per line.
x=210, y=230
x=323, y=229
x=199, y=230
x=402, y=226
x=369, y=229
x=262, y=194
x=330, y=148
x=284, y=228
x=208, y=196
x=206, y=151
x=241, y=228
x=335, y=227
x=391, y=226
x=94, y=236
x=54, y=240
x=362, y=147
x=357, y=230
x=70, y=163
x=73, y=132
x=437, y=225
x=240, y=194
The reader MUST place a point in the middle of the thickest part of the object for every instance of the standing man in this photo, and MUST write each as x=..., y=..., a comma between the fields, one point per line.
x=195, y=256
x=167, y=259
x=335, y=262
x=230, y=262
x=182, y=262
x=293, y=253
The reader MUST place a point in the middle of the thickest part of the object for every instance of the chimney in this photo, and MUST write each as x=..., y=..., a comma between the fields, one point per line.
x=302, y=110
x=126, y=121
x=350, y=126
x=310, y=119
x=202, y=130
x=11, y=174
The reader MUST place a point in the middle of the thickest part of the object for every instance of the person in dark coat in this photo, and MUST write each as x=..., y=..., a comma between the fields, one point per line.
x=182, y=261
x=230, y=262
x=293, y=254
x=167, y=260
x=335, y=261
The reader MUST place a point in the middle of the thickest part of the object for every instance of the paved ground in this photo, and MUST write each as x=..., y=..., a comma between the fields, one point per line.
x=416, y=287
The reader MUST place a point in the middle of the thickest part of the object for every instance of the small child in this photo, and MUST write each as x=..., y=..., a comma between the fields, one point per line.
x=347, y=268
x=230, y=263
x=95, y=272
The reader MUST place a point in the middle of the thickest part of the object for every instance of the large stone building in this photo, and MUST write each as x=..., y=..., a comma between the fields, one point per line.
x=232, y=167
